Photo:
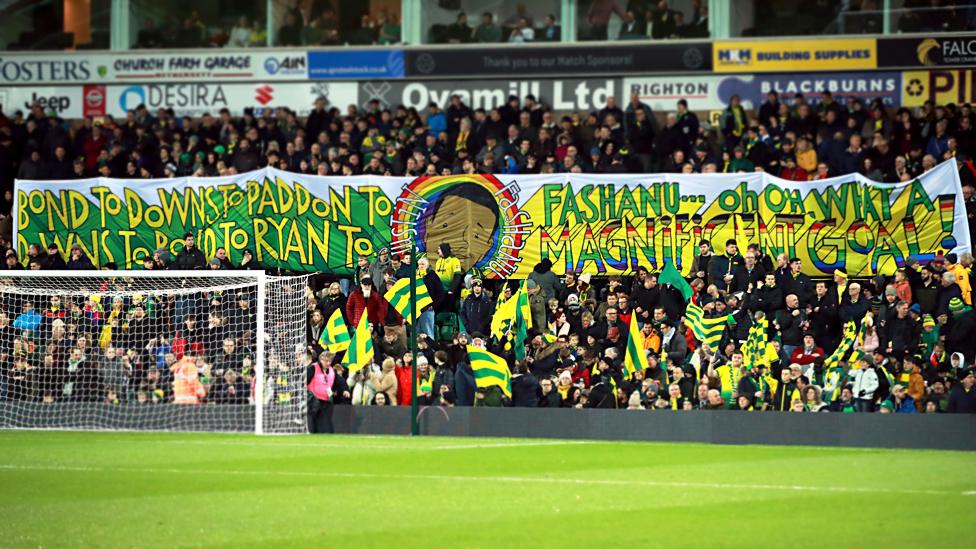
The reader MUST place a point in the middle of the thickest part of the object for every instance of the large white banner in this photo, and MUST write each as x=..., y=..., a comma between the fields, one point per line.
x=503, y=225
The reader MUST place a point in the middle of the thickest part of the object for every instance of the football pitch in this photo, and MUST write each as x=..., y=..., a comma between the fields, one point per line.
x=68, y=489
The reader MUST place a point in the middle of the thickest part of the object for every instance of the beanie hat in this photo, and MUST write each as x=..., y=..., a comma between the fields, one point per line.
x=928, y=321
x=956, y=305
x=916, y=308
x=890, y=290
x=890, y=406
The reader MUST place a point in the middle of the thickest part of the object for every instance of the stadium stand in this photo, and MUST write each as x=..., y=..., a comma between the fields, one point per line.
x=914, y=355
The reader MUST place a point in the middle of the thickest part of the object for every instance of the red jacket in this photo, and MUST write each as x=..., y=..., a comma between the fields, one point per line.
x=92, y=148
x=803, y=358
x=403, y=385
x=581, y=372
x=796, y=174
x=356, y=304
x=690, y=338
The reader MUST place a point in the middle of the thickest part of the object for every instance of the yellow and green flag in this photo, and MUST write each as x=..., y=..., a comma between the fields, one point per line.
x=844, y=347
x=513, y=315
x=757, y=349
x=523, y=321
x=524, y=310
x=335, y=335
x=504, y=318
x=399, y=297
x=490, y=370
x=706, y=330
x=634, y=358
x=360, y=347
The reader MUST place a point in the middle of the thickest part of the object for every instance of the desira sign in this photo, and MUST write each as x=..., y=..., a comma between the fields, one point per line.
x=177, y=96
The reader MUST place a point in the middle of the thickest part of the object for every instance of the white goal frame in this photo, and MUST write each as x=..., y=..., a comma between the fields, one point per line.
x=258, y=278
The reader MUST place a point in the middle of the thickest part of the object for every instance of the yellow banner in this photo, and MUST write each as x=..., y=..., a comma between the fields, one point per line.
x=942, y=87
x=795, y=55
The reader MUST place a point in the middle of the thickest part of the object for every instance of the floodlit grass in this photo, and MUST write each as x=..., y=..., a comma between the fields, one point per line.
x=61, y=489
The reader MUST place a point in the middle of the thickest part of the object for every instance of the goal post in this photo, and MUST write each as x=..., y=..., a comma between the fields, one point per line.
x=153, y=350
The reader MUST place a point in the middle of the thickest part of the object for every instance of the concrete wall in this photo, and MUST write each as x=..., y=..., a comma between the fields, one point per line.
x=949, y=432
x=946, y=432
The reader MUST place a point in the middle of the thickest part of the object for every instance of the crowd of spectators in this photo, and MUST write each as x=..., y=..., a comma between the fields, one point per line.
x=914, y=353
x=638, y=21
x=118, y=345
x=297, y=28
x=325, y=29
x=798, y=138
x=918, y=325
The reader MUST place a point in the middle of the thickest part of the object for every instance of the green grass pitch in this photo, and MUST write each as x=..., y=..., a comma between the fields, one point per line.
x=67, y=489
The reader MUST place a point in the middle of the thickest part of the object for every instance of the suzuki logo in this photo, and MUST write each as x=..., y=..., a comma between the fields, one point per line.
x=264, y=94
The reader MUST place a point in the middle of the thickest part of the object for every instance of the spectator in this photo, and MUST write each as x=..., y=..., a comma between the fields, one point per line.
x=477, y=309
x=389, y=29
x=962, y=398
x=522, y=32
x=259, y=34
x=664, y=21
x=78, y=260
x=598, y=17
x=632, y=29
x=190, y=257
x=240, y=34
x=550, y=31
x=488, y=31
x=459, y=32
x=384, y=382
x=291, y=32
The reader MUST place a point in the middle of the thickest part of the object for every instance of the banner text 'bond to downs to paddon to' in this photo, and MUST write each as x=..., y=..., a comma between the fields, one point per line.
x=502, y=225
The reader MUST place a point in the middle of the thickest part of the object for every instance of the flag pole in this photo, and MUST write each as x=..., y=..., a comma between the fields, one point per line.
x=412, y=336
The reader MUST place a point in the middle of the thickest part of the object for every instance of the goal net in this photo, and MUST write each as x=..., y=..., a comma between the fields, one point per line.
x=153, y=350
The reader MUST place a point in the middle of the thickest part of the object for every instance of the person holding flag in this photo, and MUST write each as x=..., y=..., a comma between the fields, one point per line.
x=729, y=375
x=490, y=370
x=426, y=320
x=398, y=296
x=635, y=357
x=360, y=350
x=754, y=386
x=335, y=334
